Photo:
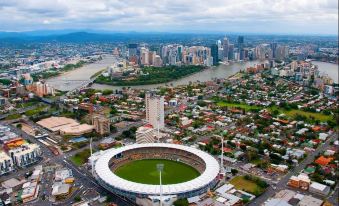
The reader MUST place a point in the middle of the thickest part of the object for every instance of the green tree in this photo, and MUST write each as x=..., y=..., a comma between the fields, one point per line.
x=181, y=202
x=77, y=198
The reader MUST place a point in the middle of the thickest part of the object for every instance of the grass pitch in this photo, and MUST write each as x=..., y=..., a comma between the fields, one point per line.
x=145, y=171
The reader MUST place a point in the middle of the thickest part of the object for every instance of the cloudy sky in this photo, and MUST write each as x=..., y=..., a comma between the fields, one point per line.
x=240, y=16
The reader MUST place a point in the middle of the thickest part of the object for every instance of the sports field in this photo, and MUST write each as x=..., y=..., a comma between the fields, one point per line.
x=145, y=171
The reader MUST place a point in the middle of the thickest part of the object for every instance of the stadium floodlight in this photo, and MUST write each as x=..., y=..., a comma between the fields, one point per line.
x=222, y=169
x=160, y=168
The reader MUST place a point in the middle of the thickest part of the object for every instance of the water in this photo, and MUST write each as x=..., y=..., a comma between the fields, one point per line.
x=75, y=78
x=328, y=68
x=221, y=71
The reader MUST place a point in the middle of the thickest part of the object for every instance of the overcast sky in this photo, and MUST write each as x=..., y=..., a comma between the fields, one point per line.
x=239, y=16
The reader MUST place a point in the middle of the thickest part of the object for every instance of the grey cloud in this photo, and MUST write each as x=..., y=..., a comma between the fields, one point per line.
x=225, y=15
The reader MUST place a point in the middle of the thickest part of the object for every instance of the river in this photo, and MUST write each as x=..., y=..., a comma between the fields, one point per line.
x=75, y=78
x=221, y=71
x=328, y=68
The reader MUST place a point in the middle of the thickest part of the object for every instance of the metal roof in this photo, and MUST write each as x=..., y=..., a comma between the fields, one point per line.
x=105, y=174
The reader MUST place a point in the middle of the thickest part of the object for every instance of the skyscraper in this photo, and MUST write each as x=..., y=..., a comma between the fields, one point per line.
x=274, y=46
x=225, y=46
x=214, y=53
x=155, y=110
x=240, y=42
x=132, y=50
x=231, y=51
x=241, y=47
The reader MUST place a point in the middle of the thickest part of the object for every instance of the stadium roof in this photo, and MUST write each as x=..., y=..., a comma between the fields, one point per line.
x=104, y=172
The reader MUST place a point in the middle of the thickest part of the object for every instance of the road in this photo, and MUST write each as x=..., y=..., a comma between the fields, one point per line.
x=282, y=184
x=18, y=111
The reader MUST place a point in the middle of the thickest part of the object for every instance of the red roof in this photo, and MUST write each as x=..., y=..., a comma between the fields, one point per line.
x=323, y=160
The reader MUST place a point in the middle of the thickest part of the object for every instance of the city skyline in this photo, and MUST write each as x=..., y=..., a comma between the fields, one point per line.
x=286, y=17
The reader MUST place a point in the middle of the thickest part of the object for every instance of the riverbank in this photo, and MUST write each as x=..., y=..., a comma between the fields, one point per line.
x=152, y=75
x=75, y=78
x=54, y=73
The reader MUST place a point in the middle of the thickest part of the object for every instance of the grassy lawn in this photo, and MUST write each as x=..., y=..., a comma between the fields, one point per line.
x=237, y=105
x=81, y=157
x=241, y=183
x=33, y=112
x=293, y=112
x=290, y=113
x=317, y=116
x=13, y=116
x=145, y=171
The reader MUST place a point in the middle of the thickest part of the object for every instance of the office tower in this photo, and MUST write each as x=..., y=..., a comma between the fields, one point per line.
x=274, y=46
x=225, y=47
x=281, y=52
x=240, y=46
x=179, y=56
x=263, y=51
x=214, y=53
x=101, y=124
x=231, y=51
x=132, y=50
x=155, y=110
x=240, y=42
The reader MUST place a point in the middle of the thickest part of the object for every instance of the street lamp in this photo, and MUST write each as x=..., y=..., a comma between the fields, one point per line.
x=160, y=168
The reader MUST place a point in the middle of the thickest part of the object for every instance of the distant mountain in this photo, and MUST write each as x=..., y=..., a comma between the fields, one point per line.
x=80, y=37
x=73, y=36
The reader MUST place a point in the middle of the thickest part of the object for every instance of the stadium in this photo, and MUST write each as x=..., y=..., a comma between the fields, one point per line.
x=131, y=170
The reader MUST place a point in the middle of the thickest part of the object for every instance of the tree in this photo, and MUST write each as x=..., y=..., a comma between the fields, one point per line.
x=77, y=198
x=243, y=147
x=19, y=126
x=107, y=92
x=234, y=171
x=202, y=103
x=113, y=111
x=181, y=202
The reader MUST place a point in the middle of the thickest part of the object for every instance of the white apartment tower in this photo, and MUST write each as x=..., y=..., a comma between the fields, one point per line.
x=155, y=110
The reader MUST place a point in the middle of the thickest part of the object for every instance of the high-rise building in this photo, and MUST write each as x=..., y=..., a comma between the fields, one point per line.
x=101, y=124
x=240, y=42
x=132, y=50
x=263, y=51
x=155, y=110
x=151, y=57
x=225, y=47
x=231, y=51
x=157, y=61
x=274, y=46
x=281, y=52
x=144, y=56
x=214, y=53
